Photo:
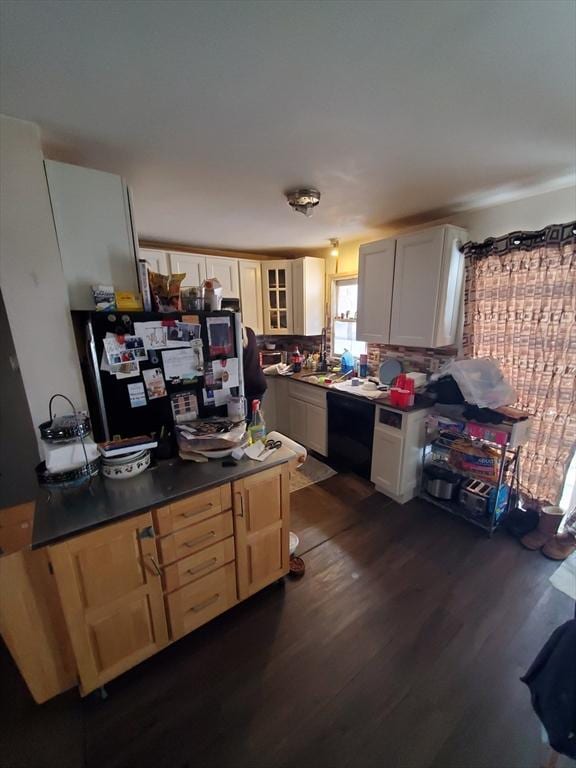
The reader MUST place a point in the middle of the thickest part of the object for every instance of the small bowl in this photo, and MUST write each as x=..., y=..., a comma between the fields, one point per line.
x=269, y=346
x=126, y=458
x=224, y=453
x=130, y=468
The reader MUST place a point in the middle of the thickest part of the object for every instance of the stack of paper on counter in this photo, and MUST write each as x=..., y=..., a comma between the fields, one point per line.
x=217, y=434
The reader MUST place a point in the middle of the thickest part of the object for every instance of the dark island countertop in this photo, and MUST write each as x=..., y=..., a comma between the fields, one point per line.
x=63, y=513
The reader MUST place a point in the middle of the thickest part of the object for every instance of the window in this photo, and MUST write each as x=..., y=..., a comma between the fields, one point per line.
x=345, y=303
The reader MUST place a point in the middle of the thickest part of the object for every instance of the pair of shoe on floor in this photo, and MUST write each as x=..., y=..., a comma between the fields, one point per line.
x=554, y=545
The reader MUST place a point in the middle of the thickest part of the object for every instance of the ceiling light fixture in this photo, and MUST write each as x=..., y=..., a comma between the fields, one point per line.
x=303, y=200
x=334, y=250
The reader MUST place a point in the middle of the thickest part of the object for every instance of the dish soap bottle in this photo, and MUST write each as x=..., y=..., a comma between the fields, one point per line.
x=257, y=428
x=347, y=361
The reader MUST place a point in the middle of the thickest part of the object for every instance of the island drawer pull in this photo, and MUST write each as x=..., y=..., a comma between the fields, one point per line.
x=195, y=512
x=202, y=566
x=205, y=604
x=157, y=569
x=199, y=540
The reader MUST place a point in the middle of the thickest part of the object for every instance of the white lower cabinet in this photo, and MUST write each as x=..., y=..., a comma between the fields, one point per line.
x=316, y=427
x=298, y=420
x=397, y=452
x=308, y=417
x=269, y=405
x=386, y=461
x=275, y=405
x=282, y=410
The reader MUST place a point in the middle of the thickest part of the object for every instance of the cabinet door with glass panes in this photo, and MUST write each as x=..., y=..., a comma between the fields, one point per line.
x=277, y=290
x=344, y=311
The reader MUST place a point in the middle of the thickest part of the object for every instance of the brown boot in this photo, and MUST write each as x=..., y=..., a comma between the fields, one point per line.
x=560, y=546
x=547, y=527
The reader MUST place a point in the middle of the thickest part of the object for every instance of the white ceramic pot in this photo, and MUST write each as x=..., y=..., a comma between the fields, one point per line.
x=131, y=467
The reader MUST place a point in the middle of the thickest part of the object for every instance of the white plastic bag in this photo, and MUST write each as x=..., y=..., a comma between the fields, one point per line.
x=481, y=382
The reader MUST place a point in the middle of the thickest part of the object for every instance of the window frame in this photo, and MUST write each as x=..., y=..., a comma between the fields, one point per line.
x=346, y=278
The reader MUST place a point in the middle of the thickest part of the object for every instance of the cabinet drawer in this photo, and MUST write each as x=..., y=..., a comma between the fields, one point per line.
x=202, y=600
x=192, y=509
x=199, y=564
x=195, y=537
x=307, y=392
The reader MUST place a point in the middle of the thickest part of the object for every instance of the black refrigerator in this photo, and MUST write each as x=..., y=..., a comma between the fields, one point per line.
x=137, y=368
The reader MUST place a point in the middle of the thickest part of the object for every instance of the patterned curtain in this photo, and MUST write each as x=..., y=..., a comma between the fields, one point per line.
x=520, y=309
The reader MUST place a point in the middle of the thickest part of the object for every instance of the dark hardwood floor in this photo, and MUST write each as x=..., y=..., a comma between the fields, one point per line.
x=401, y=647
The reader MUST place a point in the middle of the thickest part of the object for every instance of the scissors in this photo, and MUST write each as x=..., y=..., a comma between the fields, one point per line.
x=269, y=447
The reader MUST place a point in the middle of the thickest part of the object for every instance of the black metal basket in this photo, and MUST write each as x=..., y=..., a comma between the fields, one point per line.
x=65, y=434
x=68, y=477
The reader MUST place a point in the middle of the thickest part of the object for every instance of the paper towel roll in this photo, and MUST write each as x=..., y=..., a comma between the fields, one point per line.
x=293, y=446
x=62, y=456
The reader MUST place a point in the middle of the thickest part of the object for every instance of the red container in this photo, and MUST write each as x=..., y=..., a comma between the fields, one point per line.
x=403, y=398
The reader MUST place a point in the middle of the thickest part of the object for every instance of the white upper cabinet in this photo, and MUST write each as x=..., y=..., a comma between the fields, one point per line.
x=199, y=267
x=428, y=278
x=226, y=271
x=93, y=223
x=375, y=280
x=293, y=293
x=158, y=261
x=250, y=274
x=308, y=284
x=410, y=288
x=448, y=329
x=277, y=295
x=416, y=282
x=193, y=264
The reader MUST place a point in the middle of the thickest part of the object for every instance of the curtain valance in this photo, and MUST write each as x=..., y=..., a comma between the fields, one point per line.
x=553, y=235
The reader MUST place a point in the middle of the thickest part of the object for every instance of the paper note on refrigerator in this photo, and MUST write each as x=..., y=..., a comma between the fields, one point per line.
x=129, y=349
x=127, y=370
x=155, y=385
x=153, y=334
x=226, y=372
x=137, y=394
x=184, y=363
x=220, y=336
x=221, y=396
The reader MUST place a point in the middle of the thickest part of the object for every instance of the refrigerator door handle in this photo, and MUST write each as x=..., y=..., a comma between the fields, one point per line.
x=239, y=352
x=93, y=359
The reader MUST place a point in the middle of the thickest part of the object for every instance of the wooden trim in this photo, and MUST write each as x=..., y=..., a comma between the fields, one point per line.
x=285, y=501
x=162, y=245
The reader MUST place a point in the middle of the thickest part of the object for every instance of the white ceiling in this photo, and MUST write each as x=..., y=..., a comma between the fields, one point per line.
x=212, y=109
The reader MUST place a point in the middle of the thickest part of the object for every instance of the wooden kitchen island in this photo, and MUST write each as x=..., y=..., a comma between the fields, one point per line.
x=116, y=571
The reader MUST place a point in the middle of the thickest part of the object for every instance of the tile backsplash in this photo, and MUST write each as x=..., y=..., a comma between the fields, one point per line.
x=305, y=343
x=412, y=358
